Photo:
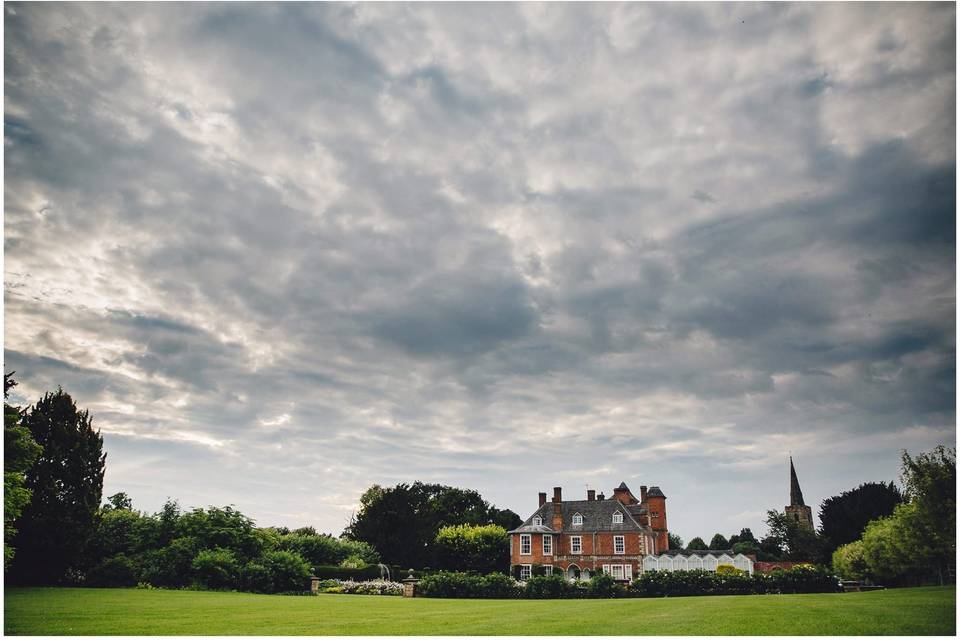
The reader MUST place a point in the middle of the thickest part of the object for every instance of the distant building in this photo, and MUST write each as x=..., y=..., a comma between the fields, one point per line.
x=797, y=510
x=584, y=537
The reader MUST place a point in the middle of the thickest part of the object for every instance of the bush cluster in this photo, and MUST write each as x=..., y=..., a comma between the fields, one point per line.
x=216, y=548
x=651, y=584
x=367, y=587
x=463, y=585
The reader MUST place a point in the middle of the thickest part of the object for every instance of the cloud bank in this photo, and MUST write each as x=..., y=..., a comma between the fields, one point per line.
x=283, y=252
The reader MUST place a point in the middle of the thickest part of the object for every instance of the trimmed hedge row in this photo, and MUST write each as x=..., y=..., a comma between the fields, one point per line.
x=330, y=572
x=651, y=584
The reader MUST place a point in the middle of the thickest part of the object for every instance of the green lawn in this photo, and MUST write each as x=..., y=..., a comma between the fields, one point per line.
x=923, y=611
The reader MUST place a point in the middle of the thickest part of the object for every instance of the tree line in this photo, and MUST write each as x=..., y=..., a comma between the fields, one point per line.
x=874, y=531
x=56, y=531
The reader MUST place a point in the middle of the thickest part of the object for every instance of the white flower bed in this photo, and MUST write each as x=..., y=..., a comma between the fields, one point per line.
x=367, y=587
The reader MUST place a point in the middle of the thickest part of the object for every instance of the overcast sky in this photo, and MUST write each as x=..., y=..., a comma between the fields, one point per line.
x=284, y=252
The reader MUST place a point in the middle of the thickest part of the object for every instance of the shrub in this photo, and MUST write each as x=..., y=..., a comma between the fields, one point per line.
x=603, y=585
x=849, y=561
x=483, y=548
x=288, y=571
x=354, y=562
x=368, y=587
x=325, y=549
x=804, y=579
x=555, y=586
x=256, y=577
x=462, y=585
x=729, y=570
x=169, y=566
x=497, y=585
x=216, y=569
x=117, y=571
x=652, y=584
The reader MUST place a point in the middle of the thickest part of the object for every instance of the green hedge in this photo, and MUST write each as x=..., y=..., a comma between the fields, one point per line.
x=370, y=572
x=462, y=585
x=651, y=584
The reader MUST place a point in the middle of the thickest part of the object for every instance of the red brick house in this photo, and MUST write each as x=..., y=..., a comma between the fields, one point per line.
x=582, y=537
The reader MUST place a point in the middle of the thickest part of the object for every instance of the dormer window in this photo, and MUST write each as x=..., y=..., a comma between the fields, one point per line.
x=538, y=521
x=577, y=520
x=618, y=518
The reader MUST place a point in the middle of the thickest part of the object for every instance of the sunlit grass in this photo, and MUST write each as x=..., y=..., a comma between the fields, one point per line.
x=142, y=612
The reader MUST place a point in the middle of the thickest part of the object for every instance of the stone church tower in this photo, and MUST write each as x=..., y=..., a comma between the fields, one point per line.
x=797, y=509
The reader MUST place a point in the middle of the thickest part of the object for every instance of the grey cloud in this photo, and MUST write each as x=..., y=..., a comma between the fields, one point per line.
x=322, y=246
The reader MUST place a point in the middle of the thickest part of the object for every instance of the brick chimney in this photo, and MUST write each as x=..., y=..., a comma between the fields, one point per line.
x=557, y=509
x=600, y=497
x=543, y=498
x=591, y=494
x=643, y=493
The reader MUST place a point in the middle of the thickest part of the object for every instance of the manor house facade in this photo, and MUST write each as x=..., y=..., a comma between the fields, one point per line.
x=582, y=537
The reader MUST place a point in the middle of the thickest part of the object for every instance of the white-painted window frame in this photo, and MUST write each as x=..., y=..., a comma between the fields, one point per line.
x=618, y=517
x=576, y=545
x=623, y=545
x=538, y=521
x=526, y=571
x=547, y=545
x=577, y=520
x=528, y=539
x=548, y=569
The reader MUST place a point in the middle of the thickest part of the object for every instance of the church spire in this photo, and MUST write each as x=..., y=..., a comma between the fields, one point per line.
x=796, y=496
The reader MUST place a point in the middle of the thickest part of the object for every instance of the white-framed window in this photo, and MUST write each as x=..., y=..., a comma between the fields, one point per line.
x=628, y=572
x=548, y=569
x=547, y=545
x=616, y=570
x=575, y=544
x=606, y=568
x=526, y=570
x=537, y=521
x=577, y=519
x=525, y=544
x=654, y=514
x=618, y=518
x=618, y=545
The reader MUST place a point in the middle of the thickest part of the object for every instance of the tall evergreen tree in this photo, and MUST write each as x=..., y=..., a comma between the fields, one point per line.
x=719, y=542
x=19, y=453
x=67, y=483
x=843, y=518
x=697, y=544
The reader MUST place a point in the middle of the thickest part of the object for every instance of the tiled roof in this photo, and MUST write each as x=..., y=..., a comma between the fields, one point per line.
x=655, y=492
x=597, y=516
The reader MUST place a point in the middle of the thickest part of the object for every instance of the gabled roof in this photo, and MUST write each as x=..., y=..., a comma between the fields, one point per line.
x=655, y=492
x=597, y=516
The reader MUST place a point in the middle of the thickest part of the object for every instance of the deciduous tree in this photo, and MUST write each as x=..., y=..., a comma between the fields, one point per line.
x=20, y=451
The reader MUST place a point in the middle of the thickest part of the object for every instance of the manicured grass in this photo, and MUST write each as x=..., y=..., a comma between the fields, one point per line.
x=922, y=611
